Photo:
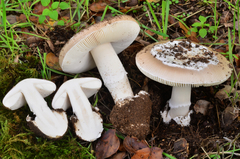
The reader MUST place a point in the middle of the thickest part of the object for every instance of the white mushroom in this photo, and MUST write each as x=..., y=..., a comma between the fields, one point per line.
x=75, y=92
x=183, y=65
x=100, y=44
x=49, y=123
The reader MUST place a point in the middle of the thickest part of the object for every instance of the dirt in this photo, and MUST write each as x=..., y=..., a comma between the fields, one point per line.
x=132, y=115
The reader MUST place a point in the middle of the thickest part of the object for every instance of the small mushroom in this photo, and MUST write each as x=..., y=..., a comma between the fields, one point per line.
x=75, y=92
x=182, y=64
x=48, y=123
x=98, y=46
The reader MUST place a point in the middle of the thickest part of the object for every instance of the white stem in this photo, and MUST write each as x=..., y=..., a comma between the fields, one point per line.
x=81, y=107
x=180, y=101
x=112, y=71
x=39, y=106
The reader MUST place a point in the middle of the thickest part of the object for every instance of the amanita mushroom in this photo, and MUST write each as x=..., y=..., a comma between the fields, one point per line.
x=182, y=64
x=48, y=123
x=75, y=92
x=99, y=45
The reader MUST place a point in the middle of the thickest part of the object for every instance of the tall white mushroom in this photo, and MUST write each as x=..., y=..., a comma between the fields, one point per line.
x=182, y=64
x=98, y=46
x=48, y=123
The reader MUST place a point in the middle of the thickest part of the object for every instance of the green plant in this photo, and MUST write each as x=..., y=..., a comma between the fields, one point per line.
x=202, y=31
x=174, y=2
x=183, y=16
x=52, y=10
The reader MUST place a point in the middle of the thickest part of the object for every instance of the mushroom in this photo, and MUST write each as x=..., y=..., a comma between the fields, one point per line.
x=98, y=46
x=182, y=64
x=75, y=92
x=48, y=123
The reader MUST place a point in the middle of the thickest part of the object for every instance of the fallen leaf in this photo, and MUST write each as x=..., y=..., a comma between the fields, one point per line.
x=229, y=115
x=107, y=145
x=119, y=155
x=98, y=6
x=181, y=148
x=225, y=17
x=221, y=94
x=190, y=35
x=38, y=8
x=154, y=1
x=50, y=44
x=22, y=18
x=12, y=19
x=53, y=62
x=132, y=144
x=148, y=153
x=202, y=106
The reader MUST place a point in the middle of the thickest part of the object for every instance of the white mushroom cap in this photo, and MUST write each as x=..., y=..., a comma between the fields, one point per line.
x=176, y=76
x=120, y=31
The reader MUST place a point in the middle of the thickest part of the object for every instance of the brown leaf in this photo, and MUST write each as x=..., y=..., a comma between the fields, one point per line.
x=119, y=155
x=190, y=35
x=98, y=6
x=50, y=44
x=172, y=20
x=22, y=18
x=132, y=144
x=52, y=61
x=38, y=8
x=107, y=145
x=12, y=18
x=148, y=153
x=154, y=1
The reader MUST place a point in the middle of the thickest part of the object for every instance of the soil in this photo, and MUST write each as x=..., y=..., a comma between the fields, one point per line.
x=205, y=131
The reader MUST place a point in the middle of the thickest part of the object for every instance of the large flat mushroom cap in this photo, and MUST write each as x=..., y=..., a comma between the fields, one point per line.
x=176, y=76
x=120, y=31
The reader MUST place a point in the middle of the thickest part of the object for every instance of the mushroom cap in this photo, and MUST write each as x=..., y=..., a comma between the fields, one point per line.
x=14, y=99
x=177, y=76
x=88, y=85
x=120, y=31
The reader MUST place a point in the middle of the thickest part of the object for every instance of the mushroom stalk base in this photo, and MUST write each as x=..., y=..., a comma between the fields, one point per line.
x=180, y=101
x=179, y=106
x=112, y=71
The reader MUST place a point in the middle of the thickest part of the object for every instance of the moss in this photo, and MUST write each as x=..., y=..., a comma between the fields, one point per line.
x=11, y=73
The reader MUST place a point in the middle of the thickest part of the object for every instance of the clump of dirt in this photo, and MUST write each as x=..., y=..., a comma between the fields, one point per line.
x=132, y=115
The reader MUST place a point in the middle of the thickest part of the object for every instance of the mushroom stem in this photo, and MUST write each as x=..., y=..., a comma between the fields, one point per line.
x=39, y=106
x=112, y=71
x=180, y=101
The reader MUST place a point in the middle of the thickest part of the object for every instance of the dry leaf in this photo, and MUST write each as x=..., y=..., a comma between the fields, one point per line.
x=119, y=155
x=50, y=44
x=38, y=8
x=154, y=1
x=148, y=153
x=107, y=145
x=192, y=36
x=132, y=144
x=98, y=6
x=221, y=94
x=52, y=61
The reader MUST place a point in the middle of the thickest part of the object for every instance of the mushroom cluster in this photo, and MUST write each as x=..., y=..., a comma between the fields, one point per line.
x=182, y=64
x=98, y=46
